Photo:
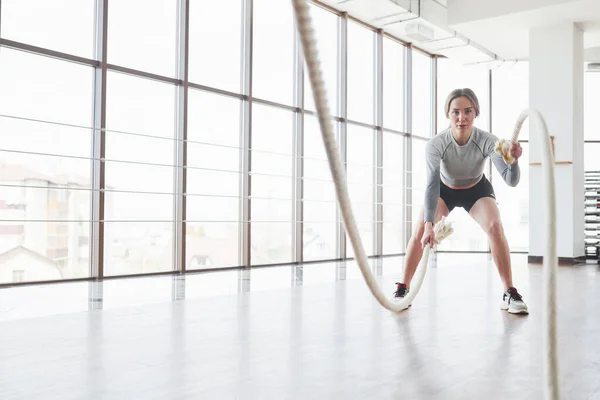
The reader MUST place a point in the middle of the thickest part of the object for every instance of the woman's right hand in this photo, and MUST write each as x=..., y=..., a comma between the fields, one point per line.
x=428, y=236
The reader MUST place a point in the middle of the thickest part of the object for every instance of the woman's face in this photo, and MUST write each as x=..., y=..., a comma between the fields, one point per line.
x=462, y=114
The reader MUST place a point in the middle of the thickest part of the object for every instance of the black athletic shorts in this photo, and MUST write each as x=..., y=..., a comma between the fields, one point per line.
x=465, y=198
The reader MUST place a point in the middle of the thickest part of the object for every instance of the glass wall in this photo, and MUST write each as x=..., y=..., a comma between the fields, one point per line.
x=145, y=158
x=510, y=96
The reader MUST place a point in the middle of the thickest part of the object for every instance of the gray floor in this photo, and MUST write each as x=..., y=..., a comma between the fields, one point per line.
x=311, y=332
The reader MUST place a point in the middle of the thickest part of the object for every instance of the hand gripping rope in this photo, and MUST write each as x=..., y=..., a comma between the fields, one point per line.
x=442, y=230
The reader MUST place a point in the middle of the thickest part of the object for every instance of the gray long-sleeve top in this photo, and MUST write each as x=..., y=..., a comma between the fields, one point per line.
x=461, y=165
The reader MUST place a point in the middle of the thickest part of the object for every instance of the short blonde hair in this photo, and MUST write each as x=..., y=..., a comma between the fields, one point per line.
x=456, y=93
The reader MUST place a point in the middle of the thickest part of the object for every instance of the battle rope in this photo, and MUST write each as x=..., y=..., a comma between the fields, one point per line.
x=550, y=259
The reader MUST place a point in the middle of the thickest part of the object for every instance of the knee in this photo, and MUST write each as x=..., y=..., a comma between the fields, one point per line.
x=495, y=229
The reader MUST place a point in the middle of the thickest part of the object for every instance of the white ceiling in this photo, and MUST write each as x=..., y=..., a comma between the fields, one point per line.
x=486, y=40
x=508, y=35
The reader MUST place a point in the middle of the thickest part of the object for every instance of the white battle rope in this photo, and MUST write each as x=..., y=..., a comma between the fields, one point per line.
x=550, y=259
x=304, y=25
x=307, y=36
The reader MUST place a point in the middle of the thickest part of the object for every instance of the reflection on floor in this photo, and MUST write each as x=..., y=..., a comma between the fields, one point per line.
x=300, y=332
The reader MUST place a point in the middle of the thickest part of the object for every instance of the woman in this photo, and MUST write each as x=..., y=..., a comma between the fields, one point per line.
x=455, y=160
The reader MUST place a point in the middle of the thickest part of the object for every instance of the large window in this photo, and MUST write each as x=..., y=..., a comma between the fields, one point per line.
x=320, y=205
x=393, y=84
x=360, y=174
x=393, y=189
x=272, y=162
x=326, y=29
x=138, y=234
x=143, y=36
x=273, y=46
x=361, y=61
x=213, y=181
x=419, y=178
x=421, y=94
x=44, y=168
x=513, y=203
x=45, y=23
x=510, y=96
x=591, y=105
x=52, y=153
x=215, y=44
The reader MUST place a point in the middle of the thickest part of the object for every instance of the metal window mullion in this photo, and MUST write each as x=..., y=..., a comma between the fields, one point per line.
x=407, y=192
x=244, y=239
x=298, y=154
x=378, y=148
x=343, y=113
x=99, y=144
x=434, y=94
x=489, y=168
x=180, y=178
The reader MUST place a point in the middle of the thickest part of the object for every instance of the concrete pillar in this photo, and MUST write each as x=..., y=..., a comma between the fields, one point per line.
x=556, y=91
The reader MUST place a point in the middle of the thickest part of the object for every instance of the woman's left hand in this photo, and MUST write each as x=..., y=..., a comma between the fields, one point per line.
x=516, y=151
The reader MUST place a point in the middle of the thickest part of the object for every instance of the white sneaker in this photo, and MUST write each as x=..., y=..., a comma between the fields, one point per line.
x=513, y=302
x=400, y=292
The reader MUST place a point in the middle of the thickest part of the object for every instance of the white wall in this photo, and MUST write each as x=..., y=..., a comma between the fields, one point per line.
x=556, y=90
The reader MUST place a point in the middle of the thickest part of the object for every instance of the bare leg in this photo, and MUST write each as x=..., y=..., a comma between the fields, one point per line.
x=486, y=213
x=414, y=251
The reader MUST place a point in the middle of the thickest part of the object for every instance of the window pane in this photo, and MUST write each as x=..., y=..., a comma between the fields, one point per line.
x=591, y=102
x=510, y=96
x=393, y=84
x=272, y=132
x=453, y=75
x=313, y=138
x=360, y=172
x=138, y=105
x=44, y=198
x=419, y=177
x=320, y=228
x=213, y=118
x=211, y=245
x=361, y=60
x=272, y=241
x=513, y=203
x=143, y=36
x=393, y=184
x=45, y=88
x=215, y=43
x=45, y=23
x=214, y=121
x=273, y=46
x=590, y=154
x=325, y=24
x=144, y=245
x=137, y=247
x=320, y=241
x=421, y=94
